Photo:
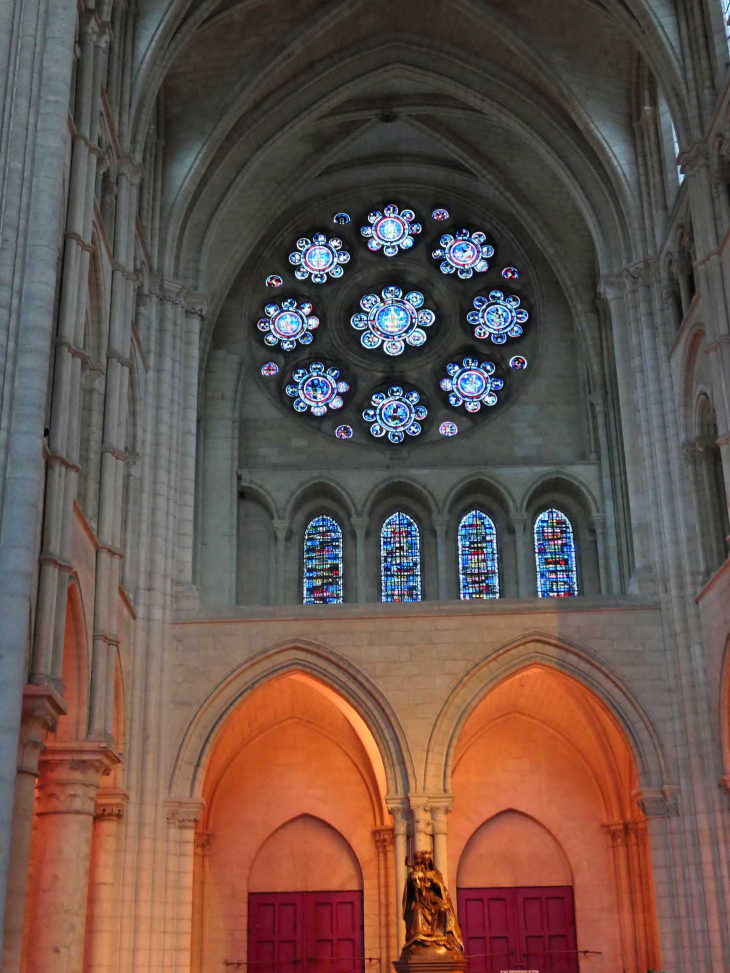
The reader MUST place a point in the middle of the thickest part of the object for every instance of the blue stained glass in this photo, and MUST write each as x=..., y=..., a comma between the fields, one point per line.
x=392, y=320
x=323, y=562
x=400, y=559
x=391, y=230
x=478, y=558
x=463, y=253
x=557, y=576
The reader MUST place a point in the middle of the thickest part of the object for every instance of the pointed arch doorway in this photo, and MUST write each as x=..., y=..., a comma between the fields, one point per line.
x=517, y=925
x=305, y=902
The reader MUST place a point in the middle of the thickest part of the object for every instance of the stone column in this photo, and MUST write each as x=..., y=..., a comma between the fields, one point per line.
x=526, y=587
x=691, y=453
x=103, y=908
x=441, y=525
x=41, y=710
x=400, y=851
x=660, y=807
x=194, y=310
x=281, y=530
x=67, y=791
x=200, y=875
x=384, y=845
x=360, y=524
x=439, y=828
x=183, y=817
x=421, y=812
x=598, y=523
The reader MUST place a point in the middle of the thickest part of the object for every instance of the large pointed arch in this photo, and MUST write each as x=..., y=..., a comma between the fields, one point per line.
x=566, y=657
x=323, y=665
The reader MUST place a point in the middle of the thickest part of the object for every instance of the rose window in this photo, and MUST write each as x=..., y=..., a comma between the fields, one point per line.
x=392, y=320
x=395, y=413
x=471, y=384
x=318, y=258
x=288, y=324
x=317, y=389
x=463, y=253
x=391, y=230
x=497, y=317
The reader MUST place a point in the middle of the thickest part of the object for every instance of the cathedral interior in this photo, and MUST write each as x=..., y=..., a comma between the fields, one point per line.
x=364, y=483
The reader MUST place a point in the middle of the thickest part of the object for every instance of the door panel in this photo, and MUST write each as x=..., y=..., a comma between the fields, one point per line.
x=305, y=932
x=519, y=928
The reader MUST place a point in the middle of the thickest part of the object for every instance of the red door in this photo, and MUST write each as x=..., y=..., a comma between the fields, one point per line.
x=305, y=932
x=519, y=929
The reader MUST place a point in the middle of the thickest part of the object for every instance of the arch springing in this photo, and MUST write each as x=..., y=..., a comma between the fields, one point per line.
x=557, y=576
x=322, y=562
x=478, y=557
x=400, y=559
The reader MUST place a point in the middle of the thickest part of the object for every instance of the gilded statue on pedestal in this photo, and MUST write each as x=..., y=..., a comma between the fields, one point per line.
x=427, y=908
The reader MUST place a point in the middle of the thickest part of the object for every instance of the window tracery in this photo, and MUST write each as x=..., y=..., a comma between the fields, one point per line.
x=497, y=317
x=557, y=576
x=316, y=389
x=322, y=562
x=463, y=253
x=390, y=230
x=471, y=384
x=400, y=559
x=392, y=320
x=319, y=258
x=478, y=557
x=395, y=413
x=288, y=324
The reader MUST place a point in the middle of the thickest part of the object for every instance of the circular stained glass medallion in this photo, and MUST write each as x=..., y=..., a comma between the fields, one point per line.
x=274, y=280
x=463, y=253
x=343, y=432
x=395, y=413
x=497, y=317
x=288, y=324
x=448, y=429
x=471, y=384
x=518, y=362
x=510, y=273
x=391, y=230
x=269, y=368
x=341, y=218
x=392, y=320
x=317, y=389
x=440, y=215
x=318, y=258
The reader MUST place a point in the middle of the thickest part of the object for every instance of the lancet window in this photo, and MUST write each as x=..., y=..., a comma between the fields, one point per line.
x=400, y=559
x=323, y=562
x=557, y=576
x=478, y=558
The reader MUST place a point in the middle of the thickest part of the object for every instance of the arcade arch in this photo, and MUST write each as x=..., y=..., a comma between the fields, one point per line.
x=541, y=768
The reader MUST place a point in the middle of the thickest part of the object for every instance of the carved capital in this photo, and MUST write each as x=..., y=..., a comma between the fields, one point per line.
x=696, y=157
x=110, y=805
x=659, y=803
x=611, y=287
x=439, y=812
x=399, y=812
x=185, y=813
x=383, y=839
x=598, y=523
x=70, y=776
x=360, y=524
x=42, y=707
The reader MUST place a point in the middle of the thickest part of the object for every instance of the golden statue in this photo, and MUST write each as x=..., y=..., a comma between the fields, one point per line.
x=427, y=908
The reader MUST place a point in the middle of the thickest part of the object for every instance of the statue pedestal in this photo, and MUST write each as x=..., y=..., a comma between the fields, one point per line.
x=430, y=959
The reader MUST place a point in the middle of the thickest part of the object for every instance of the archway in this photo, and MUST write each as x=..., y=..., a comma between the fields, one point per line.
x=294, y=793
x=545, y=836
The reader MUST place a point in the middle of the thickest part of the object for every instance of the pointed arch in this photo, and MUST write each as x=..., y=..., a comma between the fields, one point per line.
x=568, y=658
x=325, y=666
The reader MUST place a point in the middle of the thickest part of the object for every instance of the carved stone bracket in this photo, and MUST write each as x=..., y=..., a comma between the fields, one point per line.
x=42, y=707
x=110, y=804
x=383, y=838
x=185, y=813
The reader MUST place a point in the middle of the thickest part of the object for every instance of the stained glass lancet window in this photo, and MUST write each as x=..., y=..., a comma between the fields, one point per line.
x=557, y=576
x=400, y=559
x=322, y=562
x=478, y=564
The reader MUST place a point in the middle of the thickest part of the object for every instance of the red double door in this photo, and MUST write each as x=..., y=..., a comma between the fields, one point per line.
x=305, y=932
x=519, y=929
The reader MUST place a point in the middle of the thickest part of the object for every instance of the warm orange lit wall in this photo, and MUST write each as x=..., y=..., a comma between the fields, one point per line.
x=520, y=764
x=288, y=770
